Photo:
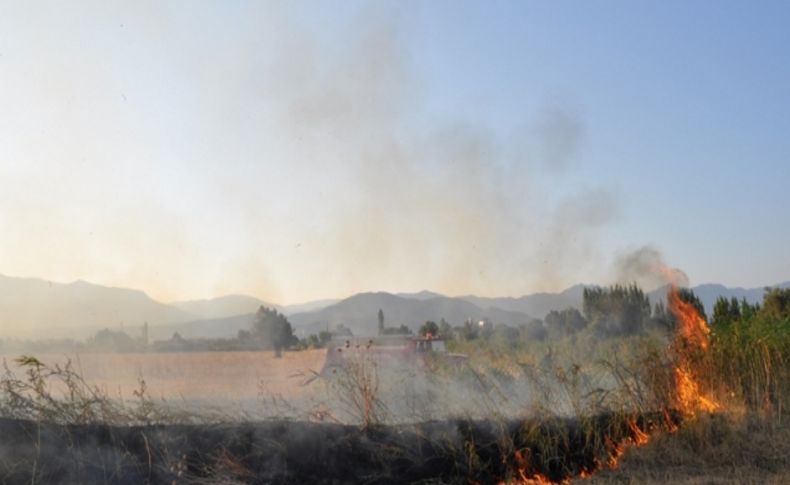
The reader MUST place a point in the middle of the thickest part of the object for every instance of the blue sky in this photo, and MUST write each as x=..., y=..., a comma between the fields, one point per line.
x=315, y=149
x=685, y=105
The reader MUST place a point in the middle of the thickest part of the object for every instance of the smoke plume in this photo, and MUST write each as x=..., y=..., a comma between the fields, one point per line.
x=645, y=267
x=269, y=160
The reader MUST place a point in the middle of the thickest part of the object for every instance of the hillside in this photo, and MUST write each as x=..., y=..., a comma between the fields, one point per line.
x=224, y=327
x=35, y=307
x=309, y=306
x=224, y=306
x=359, y=313
x=709, y=293
x=538, y=304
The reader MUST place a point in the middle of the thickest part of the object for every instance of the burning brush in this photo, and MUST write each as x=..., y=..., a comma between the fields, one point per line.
x=689, y=350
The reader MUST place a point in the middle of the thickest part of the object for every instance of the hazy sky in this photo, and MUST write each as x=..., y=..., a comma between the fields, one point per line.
x=295, y=151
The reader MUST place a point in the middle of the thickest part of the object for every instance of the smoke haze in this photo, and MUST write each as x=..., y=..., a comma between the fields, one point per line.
x=265, y=161
x=645, y=267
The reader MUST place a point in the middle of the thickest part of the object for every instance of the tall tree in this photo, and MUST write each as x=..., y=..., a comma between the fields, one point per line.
x=429, y=328
x=726, y=312
x=617, y=310
x=445, y=330
x=272, y=330
x=776, y=303
x=565, y=322
x=748, y=310
x=661, y=317
x=381, y=321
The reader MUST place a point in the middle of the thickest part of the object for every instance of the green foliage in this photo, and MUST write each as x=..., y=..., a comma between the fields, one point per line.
x=749, y=310
x=314, y=341
x=662, y=318
x=776, y=303
x=470, y=330
x=114, y=341
x=617, y=310
x=725, y=312
x=272, y=330
x=565, y=322
x=534, y=330
x=429, y=327
x=324, y=337
x=445, y=330
x=505, y=336
x=751, y=351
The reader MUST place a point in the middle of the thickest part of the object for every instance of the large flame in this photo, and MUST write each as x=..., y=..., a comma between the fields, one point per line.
x=690, y=347
x=692, y=329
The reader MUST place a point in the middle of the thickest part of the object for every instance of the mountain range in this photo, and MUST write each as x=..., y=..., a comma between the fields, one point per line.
x=360, y=312
x=36, y=308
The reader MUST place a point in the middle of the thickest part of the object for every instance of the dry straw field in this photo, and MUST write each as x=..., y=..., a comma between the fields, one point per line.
x=194, y=376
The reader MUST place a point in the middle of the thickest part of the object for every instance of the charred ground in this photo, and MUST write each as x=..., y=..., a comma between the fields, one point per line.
x=707, y=404
x=453, y=451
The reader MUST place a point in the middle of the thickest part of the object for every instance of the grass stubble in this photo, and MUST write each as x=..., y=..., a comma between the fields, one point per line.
x=610, y=421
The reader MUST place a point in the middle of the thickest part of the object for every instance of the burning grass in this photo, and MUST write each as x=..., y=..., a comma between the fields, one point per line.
x=81, y=435
x=713, y=448
x=452, y=451
x=704, y=404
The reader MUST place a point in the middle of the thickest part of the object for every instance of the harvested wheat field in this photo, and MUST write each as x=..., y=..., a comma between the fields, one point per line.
x=195, y=376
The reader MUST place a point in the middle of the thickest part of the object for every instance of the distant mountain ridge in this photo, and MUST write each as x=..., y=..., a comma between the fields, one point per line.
x=359, y=313
x=308, y=306
x=224, y=306
x=538, y=304
x=224, y=327
x=421, y=295
x=708, y=293
x=31, y=307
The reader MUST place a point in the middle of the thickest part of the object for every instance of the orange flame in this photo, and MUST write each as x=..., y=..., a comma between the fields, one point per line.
x=637, y=438
x=692, y=328
x=616, y=450
x=640, y=437
x=691, y=340
x=526, y=477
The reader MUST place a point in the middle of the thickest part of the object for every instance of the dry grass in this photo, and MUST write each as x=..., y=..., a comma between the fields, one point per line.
x=750, y=447
x=204, y=376
x=715, y=449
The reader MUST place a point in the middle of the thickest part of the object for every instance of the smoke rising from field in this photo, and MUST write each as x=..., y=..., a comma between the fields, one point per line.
x=265, y=160
x=645, y=267
x=416, y=204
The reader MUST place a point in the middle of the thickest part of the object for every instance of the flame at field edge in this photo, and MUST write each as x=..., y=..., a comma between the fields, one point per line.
x=690, y=347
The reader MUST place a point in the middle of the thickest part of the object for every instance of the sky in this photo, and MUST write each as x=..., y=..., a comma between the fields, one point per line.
x=303, y=150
